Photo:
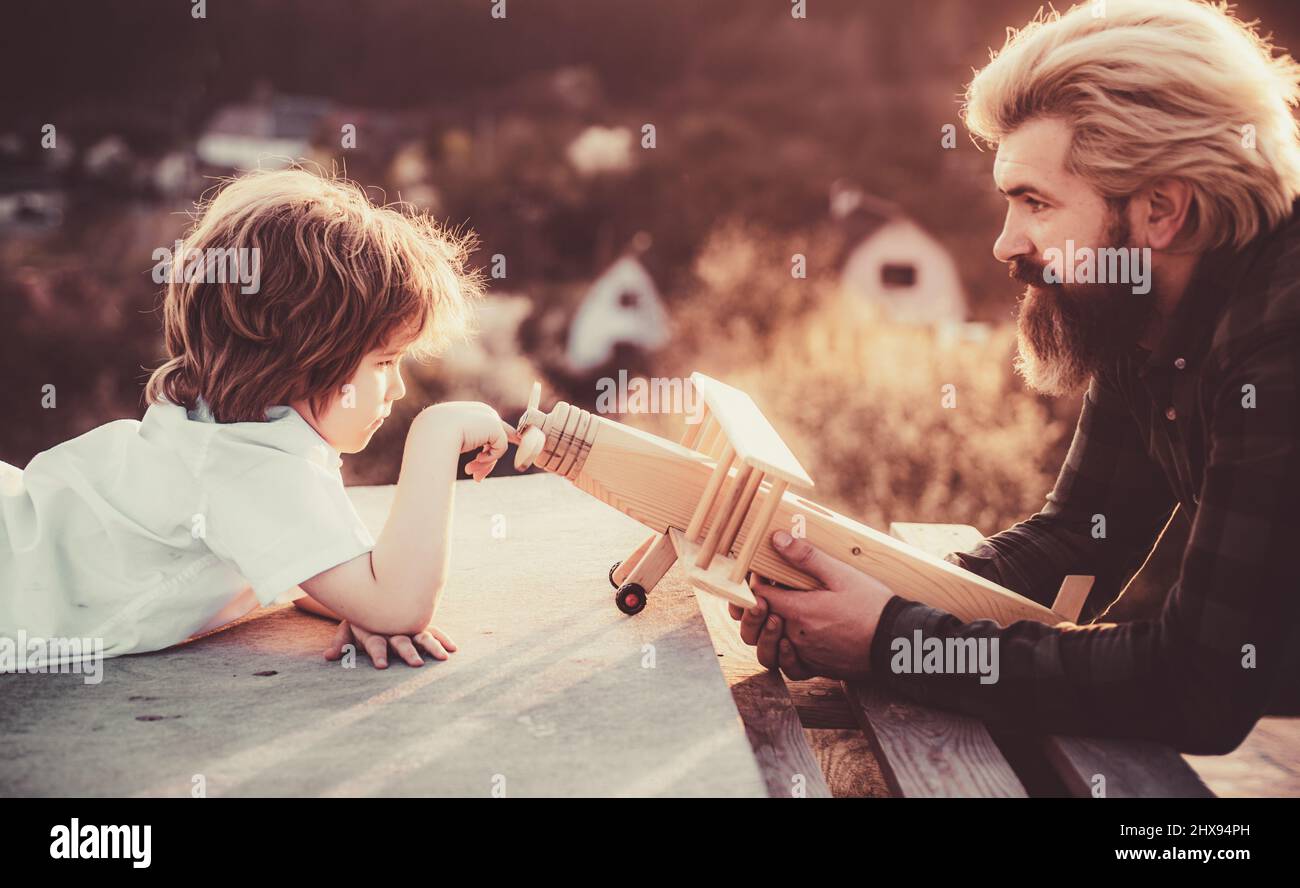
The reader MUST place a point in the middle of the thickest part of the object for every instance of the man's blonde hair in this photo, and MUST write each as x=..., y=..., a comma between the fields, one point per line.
x=340, y=277
x=1155, y=88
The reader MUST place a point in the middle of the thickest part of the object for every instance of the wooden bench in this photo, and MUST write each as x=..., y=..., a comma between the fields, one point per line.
x=867, y=741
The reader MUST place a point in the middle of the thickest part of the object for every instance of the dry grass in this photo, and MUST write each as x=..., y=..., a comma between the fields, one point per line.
x=861, y=403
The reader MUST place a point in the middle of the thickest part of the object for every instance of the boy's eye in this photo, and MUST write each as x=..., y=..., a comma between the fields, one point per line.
x=1034, y=205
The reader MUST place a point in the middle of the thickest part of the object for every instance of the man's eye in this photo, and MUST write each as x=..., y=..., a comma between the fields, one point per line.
x=1034, y=205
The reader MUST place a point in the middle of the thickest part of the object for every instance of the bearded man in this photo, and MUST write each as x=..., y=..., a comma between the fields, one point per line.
x=1165, y=127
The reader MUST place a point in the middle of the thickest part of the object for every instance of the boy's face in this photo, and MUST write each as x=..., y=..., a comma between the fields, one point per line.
x=359, y=409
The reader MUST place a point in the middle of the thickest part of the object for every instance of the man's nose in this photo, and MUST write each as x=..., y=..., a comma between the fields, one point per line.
x=1011, y=243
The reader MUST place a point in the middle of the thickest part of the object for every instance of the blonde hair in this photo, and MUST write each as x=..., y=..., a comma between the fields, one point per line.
x=1156, y=88
x=340, y=277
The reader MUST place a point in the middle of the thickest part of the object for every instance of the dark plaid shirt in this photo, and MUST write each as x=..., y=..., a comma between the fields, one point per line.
x=1210, y=420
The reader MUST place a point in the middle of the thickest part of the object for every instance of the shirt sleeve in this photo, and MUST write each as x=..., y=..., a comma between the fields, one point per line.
x=1101, y=517
x=1200, y=675
x=280, y=518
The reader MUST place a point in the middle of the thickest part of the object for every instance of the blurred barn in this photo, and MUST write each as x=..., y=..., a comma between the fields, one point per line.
x=622, y=311
x=891, y=267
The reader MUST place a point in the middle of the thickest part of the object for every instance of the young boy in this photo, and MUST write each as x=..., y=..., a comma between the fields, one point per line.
x=141, y=534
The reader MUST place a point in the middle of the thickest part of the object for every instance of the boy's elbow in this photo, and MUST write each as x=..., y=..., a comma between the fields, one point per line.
x=409, y=615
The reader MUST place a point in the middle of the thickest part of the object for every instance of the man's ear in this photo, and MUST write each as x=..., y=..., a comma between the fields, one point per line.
x=1166, y=204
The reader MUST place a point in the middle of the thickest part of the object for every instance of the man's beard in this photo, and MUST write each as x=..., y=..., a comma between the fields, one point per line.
x=1067, y=332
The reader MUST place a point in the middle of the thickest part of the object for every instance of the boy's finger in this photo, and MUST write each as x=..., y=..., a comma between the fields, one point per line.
x=377, y=650
x=497, y=446
x=752, y=622
x=768, y=641
x=511, y=435
x=442, y=637
x=406, y=650
x=479, y=467
x=432, y=645
x=341, y=636
x=735, y=610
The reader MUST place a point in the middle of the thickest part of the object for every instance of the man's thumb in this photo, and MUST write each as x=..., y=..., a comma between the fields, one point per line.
x=808, y=558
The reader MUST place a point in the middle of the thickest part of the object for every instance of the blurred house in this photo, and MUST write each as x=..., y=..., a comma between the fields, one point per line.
x=600, y=149
x=174, y=175
x=892, y=267
x=621, y=310
x=31, y=199
x=265, y=133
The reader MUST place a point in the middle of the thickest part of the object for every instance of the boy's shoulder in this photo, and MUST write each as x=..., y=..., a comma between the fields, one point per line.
x=284, y=434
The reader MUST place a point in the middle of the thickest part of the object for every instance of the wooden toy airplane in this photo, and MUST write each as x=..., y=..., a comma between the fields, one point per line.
x=714, y=499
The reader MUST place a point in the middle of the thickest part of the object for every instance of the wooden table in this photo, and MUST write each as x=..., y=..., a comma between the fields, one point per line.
x=905, y=749
x=553, y=693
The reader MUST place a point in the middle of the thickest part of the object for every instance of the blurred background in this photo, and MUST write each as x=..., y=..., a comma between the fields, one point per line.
x=659, y=187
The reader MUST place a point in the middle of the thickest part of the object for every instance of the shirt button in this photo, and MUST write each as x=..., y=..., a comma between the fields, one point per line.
x=1171, y=414
x=1180, y=363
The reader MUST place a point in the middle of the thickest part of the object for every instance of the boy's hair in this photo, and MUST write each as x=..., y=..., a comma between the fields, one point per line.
x=340, y=277
x=1153, y=88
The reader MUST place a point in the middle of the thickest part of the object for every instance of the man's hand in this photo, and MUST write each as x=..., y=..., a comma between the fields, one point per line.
x=826, y=631
x=432, y=639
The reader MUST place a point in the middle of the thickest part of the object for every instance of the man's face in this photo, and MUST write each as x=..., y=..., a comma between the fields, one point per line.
x=1065, y=331
x=358, y=410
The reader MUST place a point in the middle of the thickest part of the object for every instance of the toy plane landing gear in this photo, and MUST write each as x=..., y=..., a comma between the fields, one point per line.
x=714, y=499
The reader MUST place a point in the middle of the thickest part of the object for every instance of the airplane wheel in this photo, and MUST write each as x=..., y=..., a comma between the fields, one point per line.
x=613, y=568
x=630, y=598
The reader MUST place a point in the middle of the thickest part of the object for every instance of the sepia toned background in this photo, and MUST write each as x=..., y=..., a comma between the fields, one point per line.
x=779, y=144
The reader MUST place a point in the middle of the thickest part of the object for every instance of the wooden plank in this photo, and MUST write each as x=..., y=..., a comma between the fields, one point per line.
x=850, y=766
x=1265, y=764
x=747, y=429
x=775, y=733
x=1122, y=769
x=821, y=703
x=929, y=753
x=1131, y=768
x=1071, y=597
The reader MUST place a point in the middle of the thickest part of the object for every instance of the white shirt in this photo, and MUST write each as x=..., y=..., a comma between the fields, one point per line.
x=144, y=533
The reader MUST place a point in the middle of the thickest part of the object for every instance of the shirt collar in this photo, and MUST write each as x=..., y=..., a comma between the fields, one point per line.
x=319, y=450
x=1187, y=331
x=1190, y=328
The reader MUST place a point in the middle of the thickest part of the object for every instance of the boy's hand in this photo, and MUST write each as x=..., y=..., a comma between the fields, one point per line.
x=432, y=639
x=480, y=427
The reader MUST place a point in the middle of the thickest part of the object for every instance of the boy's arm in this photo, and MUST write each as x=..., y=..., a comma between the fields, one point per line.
x=312, y=606
x=393, y=589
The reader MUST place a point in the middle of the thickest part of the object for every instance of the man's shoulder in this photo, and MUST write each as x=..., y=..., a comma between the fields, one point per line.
x=1263, y=304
